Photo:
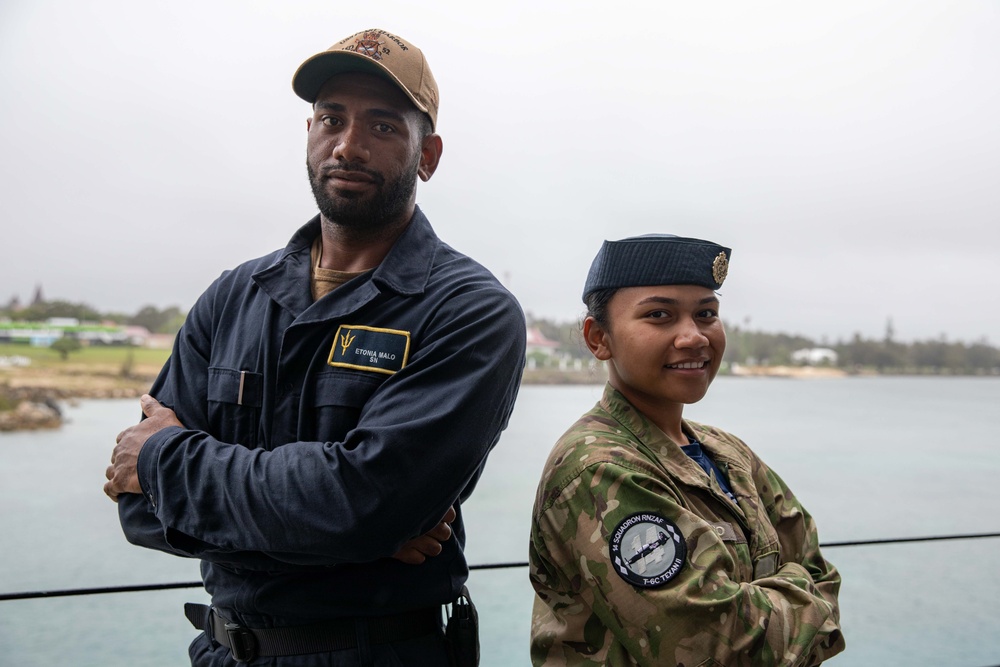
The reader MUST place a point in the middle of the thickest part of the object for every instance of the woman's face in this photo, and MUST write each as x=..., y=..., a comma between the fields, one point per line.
x=663, y=344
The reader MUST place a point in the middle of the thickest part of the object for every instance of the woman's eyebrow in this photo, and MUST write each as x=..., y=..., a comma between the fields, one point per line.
x=673, y=302
x=658, y=299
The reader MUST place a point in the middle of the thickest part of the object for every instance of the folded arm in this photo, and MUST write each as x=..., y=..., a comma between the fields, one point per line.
x=702, y=612
x=418, y=447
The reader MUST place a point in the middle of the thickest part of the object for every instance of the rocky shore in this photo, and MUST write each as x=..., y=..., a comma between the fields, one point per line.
x=30, y=398
x=29, y=416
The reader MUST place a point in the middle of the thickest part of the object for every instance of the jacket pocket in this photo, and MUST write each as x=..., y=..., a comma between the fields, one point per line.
x=336, y=400
x=234, y=401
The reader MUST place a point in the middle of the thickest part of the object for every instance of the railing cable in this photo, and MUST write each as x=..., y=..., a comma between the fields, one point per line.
x=901, y=540
x=32, y=595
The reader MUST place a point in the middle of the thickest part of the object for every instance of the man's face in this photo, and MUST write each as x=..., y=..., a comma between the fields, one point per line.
x=364, y=152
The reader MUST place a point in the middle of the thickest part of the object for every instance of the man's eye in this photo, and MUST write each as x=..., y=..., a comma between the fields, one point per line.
x=384, y=128
x=708, y=314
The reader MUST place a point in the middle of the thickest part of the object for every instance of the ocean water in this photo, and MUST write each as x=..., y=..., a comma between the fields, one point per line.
x=871, y=458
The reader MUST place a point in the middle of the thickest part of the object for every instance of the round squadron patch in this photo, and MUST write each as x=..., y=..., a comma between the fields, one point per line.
x=647, y=550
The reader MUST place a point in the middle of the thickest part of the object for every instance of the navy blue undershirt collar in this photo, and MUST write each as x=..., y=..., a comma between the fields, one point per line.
x=698, y=455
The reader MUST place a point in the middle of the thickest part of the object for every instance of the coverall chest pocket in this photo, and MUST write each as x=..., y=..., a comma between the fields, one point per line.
x=336, y=402
x=234, y=400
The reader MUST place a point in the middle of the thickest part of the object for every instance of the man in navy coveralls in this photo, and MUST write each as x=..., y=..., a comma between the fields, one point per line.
x=327, y=408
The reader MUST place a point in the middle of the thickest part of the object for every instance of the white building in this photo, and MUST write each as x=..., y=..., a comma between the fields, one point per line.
x=815, y=356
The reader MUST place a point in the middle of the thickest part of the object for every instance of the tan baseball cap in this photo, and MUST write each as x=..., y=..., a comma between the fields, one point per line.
x=376, y=52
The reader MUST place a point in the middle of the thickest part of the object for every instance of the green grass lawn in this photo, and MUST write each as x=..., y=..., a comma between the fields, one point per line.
x=42, y=357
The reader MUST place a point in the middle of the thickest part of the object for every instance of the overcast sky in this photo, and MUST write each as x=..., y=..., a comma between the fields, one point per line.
x=848, y=152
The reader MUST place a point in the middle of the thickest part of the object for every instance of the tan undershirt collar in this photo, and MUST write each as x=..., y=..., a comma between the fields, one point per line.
x=323, y=281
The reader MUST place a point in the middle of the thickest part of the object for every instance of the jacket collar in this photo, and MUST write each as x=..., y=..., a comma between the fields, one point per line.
x=405, y=270
x=652, y=441
x=407, y=267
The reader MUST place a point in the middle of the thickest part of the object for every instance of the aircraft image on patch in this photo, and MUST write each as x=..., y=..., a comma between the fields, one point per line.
x=651, y=552
x=647, y=550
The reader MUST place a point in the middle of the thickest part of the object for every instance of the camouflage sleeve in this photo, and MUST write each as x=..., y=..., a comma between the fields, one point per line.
x=799, y=542
x=697, y=613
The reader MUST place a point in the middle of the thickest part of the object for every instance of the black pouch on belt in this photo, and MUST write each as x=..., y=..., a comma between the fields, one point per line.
x=462, y=631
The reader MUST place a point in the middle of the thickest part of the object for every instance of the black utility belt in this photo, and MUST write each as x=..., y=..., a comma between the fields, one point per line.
x=333, y=635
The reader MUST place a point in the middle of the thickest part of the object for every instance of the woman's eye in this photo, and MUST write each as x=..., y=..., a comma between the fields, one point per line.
x=658, y=314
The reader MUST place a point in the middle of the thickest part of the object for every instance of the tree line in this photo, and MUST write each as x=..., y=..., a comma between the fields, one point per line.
x=744, y=346
x=858, y=354
x=165, y=321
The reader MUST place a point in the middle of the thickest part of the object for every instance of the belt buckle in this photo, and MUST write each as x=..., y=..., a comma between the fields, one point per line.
x=242, y=643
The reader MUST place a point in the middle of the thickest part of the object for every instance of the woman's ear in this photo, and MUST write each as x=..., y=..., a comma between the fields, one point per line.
x=596, y=339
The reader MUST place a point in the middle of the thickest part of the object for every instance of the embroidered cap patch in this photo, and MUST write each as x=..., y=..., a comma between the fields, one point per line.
x=370, y=349
x=647, y=550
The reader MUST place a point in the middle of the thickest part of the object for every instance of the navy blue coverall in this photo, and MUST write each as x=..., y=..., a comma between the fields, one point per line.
x=320, y=436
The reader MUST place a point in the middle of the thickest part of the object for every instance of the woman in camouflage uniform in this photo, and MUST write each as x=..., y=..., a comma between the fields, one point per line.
x=656, y=540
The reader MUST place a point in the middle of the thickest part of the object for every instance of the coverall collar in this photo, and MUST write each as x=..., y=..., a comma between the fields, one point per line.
x=405, y=270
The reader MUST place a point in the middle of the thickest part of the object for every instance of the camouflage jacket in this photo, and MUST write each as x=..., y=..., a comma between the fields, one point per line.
x=638, y=557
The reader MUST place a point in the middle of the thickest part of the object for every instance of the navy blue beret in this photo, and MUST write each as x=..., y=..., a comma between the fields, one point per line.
x=658, y=259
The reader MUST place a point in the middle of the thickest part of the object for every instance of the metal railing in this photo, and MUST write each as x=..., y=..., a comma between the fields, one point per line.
x=31, y=595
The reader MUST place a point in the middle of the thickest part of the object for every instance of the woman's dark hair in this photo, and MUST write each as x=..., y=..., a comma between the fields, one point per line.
x=597, y=304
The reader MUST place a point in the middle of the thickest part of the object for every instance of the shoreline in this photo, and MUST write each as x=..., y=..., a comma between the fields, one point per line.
x=29, y=396
x=795, y=372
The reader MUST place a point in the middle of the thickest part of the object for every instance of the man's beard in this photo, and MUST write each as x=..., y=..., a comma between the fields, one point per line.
x=379, y=211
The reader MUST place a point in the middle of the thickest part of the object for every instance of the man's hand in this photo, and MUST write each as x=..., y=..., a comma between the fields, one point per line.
x=122, y=475
x=418, y=549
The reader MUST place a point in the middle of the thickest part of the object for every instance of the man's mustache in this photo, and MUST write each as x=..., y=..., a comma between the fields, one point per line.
x=327, y=170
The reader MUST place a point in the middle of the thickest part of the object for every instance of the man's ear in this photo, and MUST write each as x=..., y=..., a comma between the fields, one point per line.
x=596, y=339
x=430, y=155
x=309, y=123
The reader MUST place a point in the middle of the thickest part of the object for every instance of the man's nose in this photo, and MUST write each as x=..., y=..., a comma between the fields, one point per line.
x=352, y=145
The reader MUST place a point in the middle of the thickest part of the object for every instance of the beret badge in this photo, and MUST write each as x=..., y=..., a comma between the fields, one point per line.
x=720, y=268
